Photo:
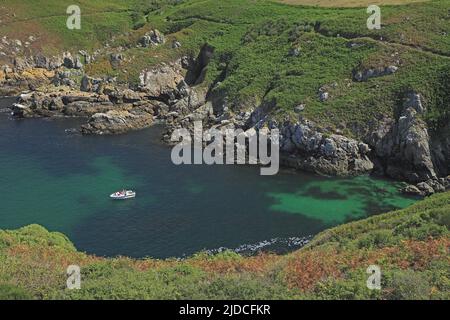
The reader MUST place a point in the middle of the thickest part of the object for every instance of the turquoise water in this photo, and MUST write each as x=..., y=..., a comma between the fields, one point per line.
x=63, y=180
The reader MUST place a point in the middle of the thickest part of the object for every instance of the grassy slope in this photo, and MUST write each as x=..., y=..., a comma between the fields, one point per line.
x=46, y=20
x=252, y=40
x=253, y=66
x=347, y=3
x=410, y=245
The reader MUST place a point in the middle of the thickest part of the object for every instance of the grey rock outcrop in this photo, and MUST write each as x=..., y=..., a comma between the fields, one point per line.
x=116, y=58
x=89, y=84
x=299, y=108
x=68, y=60
x=152, y=38
x=117, y=122
x=55, y=62
x=404, y=144
x=22, y=63
x=71, y=62
x=60, y=103
x=41, y=61
x=364, y=75
x=161, y=81
x=176, y=44
x=63, y=78
x=20, y=110
x=426, y=188
x=412, y=190
x=308, y=149
x=87, y=57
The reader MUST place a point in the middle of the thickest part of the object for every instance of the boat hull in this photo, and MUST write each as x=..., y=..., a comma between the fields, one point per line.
x=115, y=196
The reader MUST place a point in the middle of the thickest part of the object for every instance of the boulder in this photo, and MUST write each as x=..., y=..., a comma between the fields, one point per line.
x=116, y=122
x=68, y=60
x=412, y=190
x=89, y=84
x=154, y=37
x=299, y=108
x=176, y=44
x=324, y=96
x=20, y=110
x=86, y=83
x=41, y=61
x=63, y=78
x=366, y=74
x=425, y=188
x=57, y=104
x=55, y=62
x=78, y=64
x=294, y=52
x=116, y=58
x=130, y=96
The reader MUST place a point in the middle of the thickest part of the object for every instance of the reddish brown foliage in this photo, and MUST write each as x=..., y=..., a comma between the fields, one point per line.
x=306, y=268
x=256, y=264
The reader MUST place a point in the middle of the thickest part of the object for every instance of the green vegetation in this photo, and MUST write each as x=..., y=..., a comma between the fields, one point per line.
x=276, y=56
x=409, y=245
x=348, y=3
x=253, y=64
x=9, y=292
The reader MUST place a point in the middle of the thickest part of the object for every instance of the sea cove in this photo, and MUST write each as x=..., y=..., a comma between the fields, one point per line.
x=62, y=180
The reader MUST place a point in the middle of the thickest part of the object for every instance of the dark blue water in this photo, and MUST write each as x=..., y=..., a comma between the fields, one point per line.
x=63, y=180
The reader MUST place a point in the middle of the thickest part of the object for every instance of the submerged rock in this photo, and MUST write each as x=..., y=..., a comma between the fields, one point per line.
x=20, y=110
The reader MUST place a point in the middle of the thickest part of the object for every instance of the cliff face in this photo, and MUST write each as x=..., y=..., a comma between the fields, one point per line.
x=401, y=148
x=403, y=144
x=406, y=150
x=346, y=101
x=440, y=146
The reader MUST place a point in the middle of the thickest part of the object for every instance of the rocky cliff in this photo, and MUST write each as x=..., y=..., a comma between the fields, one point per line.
x=401, y=147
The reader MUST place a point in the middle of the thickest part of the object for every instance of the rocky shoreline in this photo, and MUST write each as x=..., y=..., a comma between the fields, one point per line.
x=402, y=148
